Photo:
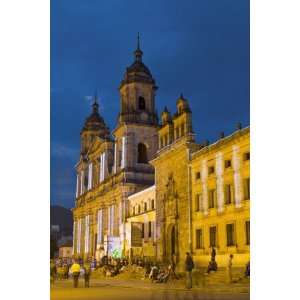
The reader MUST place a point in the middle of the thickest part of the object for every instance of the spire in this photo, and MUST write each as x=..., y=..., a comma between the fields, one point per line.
x=138, y=53
x=166, y=109
x=95, y=104
x=138, y=41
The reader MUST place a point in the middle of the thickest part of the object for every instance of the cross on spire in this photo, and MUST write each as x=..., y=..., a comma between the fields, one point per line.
x=138, y=41
x=138, y=53
x=95, y=104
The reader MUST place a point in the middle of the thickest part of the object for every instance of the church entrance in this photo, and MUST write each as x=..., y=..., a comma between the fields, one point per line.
x=171, y=242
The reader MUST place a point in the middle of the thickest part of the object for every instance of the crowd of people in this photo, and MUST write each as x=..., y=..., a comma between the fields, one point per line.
x=63, y=268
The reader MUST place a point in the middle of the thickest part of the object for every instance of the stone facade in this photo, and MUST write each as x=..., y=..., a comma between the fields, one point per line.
x=200, y=192
x=221, y=199
x=141, y=224
x=112, y=167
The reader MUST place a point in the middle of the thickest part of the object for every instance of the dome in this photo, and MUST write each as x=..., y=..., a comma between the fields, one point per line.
x=137, y=71
x=138, y=67
x=95, y=122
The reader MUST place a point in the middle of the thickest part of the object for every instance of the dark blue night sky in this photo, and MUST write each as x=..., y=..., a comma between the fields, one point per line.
x=199, y=48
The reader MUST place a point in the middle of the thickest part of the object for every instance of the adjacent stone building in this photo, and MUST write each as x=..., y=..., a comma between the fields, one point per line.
x=148, y=189
x=220, y=206
x=141, y=224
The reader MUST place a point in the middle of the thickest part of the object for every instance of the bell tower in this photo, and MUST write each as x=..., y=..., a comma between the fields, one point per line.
x=137, y=92
x=94, y=126
x=136, y=132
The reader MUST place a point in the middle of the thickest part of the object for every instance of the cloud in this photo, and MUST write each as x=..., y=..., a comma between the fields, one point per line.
x=63, y=151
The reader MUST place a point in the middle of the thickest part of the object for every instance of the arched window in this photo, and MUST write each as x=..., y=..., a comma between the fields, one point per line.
x=142, y=154
x=142, y=103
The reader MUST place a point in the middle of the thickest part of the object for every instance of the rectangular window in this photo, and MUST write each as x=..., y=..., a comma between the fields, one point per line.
x=228, y=194
x=246, y=156
x=230, y=234
x=211, y=198
x=145, y=206
x=152, y=203
x=143, y=230
x=199, y=239
x=212, y=236
x=247, y=225
x=197, y=207
x=247, y=188
x=227, y=163
x=197, y=175
x=149, y=229
x=211, y=170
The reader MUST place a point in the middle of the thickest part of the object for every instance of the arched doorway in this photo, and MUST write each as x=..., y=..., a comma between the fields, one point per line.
x=173, y=241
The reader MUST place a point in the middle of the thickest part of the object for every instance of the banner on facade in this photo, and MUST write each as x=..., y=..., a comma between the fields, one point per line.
x=136, y=234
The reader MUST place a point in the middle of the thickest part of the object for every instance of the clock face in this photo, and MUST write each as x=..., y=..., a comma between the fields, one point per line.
x=144, y=116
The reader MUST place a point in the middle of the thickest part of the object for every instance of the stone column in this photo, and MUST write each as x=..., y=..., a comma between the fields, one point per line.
x=90, y=175
x=74, y=235
x=87, y=234
x=236, y=164
x=99, y=227
x=101, y=167
x=124, y=158
x=108, y=220
x=220, y=181
x=112, y=219
x=82, y=183
x=115, y=157
x=77, y=186
x=204, y=186
x=78, y=236
x=104, y=165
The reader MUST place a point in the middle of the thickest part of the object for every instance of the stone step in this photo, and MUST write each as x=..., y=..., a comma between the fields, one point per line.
x=220, y=277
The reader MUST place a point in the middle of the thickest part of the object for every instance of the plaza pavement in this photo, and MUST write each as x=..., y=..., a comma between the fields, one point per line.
x=138, y=289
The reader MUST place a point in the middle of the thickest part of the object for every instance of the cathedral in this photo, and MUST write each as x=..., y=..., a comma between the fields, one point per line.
x=147, y=189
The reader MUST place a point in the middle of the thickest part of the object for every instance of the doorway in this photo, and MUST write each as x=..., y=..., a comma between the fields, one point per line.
x=173, y=241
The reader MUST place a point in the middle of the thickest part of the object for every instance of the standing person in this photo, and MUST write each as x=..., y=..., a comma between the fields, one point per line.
x=229, y=268
x=189, y=266
x=87, y=273
x=75, y=270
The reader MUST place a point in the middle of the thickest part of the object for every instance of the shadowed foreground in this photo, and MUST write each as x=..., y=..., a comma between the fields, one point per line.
x=128, y=290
